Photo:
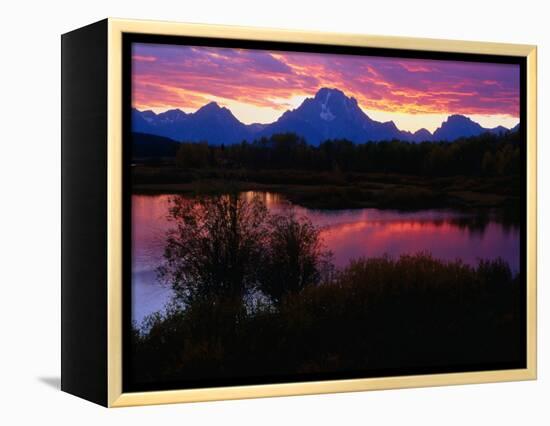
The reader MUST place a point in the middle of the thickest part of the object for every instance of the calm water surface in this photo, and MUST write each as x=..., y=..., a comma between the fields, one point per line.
x=347, y=233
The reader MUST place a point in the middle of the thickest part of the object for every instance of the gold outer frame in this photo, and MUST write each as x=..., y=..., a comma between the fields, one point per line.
x=116, y=398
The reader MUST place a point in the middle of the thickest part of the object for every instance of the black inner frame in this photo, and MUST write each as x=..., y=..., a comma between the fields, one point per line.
x=128, y=384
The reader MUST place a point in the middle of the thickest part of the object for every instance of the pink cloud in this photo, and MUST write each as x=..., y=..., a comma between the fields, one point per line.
x=187, y=76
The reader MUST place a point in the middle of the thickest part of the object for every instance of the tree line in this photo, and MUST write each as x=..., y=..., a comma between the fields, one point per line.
x=486, y=154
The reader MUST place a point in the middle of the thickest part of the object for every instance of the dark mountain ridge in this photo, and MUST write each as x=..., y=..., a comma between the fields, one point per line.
x=330, y=114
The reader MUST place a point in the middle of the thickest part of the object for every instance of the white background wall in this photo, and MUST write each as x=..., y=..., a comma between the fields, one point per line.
x=30, y=211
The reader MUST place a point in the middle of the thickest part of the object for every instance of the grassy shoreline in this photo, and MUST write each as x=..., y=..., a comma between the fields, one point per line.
x=335, y=190
x=378, y=313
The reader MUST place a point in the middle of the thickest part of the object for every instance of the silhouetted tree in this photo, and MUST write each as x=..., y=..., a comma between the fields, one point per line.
x=223, y=246
x=295, y=256
x=215, y=247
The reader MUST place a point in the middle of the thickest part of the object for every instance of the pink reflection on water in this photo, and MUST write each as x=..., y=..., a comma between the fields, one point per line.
x=149, y=226
x=443, y=239
x=350, y=234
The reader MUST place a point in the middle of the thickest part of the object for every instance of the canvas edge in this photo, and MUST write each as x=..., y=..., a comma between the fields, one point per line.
x=114, y=212
x=116, y=398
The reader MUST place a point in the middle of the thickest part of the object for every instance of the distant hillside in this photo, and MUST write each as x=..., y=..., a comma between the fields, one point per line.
x=152, y=146
x=330, y=114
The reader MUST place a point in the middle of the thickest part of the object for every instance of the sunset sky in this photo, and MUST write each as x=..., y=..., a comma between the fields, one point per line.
x=258, y=85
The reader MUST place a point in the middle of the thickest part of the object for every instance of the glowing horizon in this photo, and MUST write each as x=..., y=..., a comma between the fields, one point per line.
x=258, y=86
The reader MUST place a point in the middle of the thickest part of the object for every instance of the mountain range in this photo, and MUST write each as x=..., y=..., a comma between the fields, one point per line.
x=330, y=114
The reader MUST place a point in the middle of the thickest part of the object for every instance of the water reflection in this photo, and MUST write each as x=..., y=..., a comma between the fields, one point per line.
x=348, y=234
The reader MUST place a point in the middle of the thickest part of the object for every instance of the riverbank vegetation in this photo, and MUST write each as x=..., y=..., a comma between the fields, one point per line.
x=256, y=296
x=377, y=314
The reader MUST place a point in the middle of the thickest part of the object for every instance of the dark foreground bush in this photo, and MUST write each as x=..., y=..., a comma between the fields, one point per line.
x=378, y=315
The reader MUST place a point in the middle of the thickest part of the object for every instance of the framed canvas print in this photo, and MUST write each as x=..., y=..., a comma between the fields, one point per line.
x=250, y=212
